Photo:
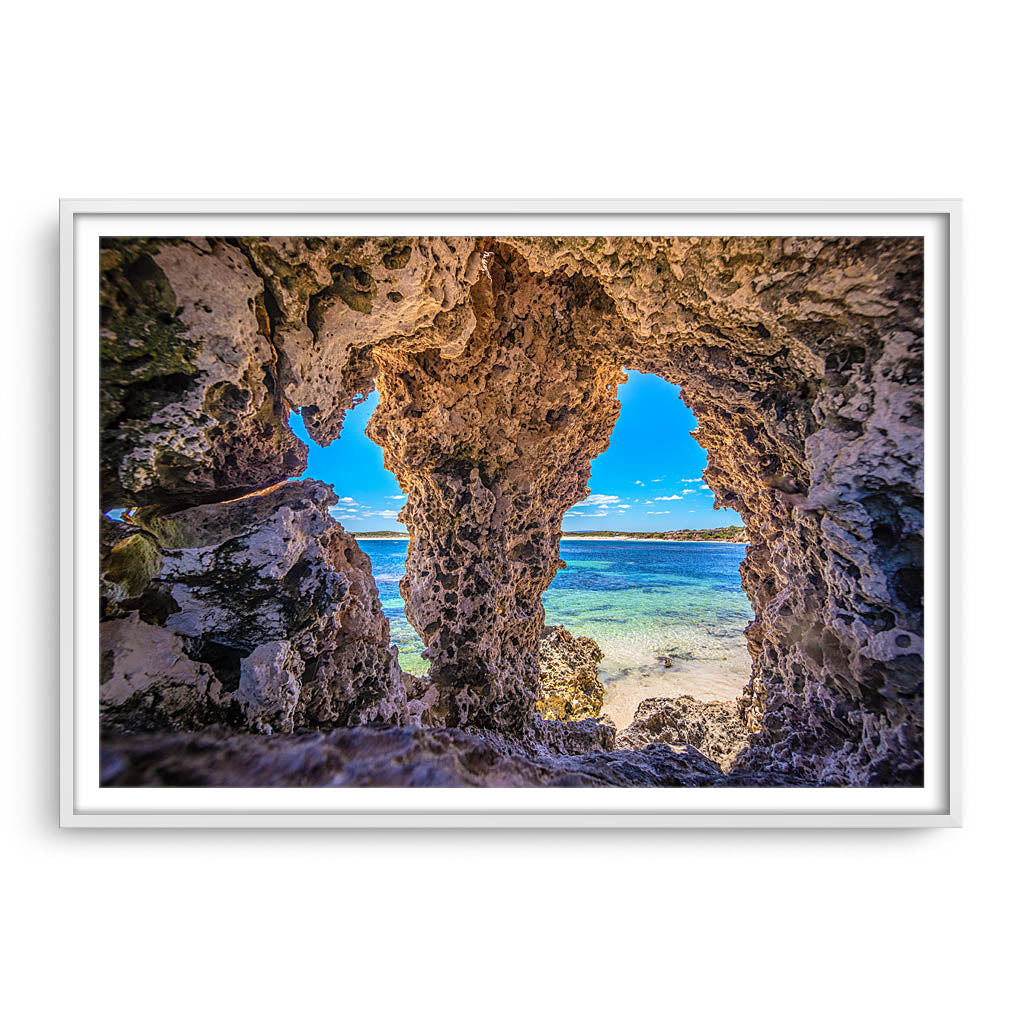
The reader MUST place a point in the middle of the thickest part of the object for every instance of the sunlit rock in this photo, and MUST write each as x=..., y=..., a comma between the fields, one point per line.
x=715, y=728
x=570, y=687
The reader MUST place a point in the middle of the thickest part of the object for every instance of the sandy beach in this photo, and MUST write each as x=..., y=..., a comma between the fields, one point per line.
x=704, y=680
x=643, y=605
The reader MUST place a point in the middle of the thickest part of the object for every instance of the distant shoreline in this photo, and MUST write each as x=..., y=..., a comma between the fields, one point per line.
x=655, y=540
x=710, y=535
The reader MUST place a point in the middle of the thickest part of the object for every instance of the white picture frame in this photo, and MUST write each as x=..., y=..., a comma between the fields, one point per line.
x=84, y=804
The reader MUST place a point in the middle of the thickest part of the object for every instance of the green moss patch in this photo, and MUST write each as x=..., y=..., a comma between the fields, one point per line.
x=132, y=564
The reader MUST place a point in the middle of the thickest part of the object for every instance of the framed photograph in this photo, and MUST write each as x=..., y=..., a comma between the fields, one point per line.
x=509, y=514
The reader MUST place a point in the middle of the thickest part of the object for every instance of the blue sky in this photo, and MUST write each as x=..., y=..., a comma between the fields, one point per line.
x=648, y=479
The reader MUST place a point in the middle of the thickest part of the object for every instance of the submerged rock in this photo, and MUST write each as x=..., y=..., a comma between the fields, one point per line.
x=570, y=688
x=716, y=728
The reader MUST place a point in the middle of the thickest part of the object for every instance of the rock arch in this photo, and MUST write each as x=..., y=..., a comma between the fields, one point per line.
x=497, y=362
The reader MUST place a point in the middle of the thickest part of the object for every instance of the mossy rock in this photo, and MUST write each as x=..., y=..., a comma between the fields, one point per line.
x=131, y=565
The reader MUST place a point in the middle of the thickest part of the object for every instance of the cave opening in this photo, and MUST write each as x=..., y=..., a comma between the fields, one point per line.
x=493, y=440
x=651, y=566
x=369, y=502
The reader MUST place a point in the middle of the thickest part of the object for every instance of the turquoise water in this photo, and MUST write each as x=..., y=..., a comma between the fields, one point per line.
x=387, y=557
x=642, y=601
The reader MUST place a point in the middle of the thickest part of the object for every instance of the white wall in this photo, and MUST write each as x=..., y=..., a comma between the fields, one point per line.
x=514, y=99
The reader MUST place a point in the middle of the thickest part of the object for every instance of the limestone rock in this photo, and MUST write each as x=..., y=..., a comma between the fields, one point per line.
x=406, y=757
x=148, y=681
x=580, y=736
x=492, y=446
x=715, y=728
x=190, y=409
x=129, y=560
x=276, y=596
x=332, y=299
x=570, y=688
x=269, y=686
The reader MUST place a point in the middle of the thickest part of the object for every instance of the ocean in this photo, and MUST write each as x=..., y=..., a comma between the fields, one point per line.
x=644, y=602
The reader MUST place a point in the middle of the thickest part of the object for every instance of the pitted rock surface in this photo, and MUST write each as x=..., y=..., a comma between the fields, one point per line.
x=497, y=363
x=189, y=408
x=715, y=728
x=570, y=687
x=331, y=299
x=396, y=757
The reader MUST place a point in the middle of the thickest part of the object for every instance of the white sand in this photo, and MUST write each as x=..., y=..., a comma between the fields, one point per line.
x=701, y=679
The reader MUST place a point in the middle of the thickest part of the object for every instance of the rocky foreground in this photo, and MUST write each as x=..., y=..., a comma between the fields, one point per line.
x=680, y=742
x=242, y=635
x=283, y=696
x=402, y=757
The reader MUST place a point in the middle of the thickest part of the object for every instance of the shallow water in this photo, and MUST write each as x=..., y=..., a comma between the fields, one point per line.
x=642, y=601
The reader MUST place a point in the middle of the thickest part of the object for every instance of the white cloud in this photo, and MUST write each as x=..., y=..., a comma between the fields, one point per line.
x=639, y=483
x=347, y=501
x=677, y=497
x=625, y=506
x=598, y=500
x=350, y=509
x=664, y=513
x=704, y=487
x=691, y=480
x=648, y=502
x=363, y=512
x=657, y=480
x=396, y=497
